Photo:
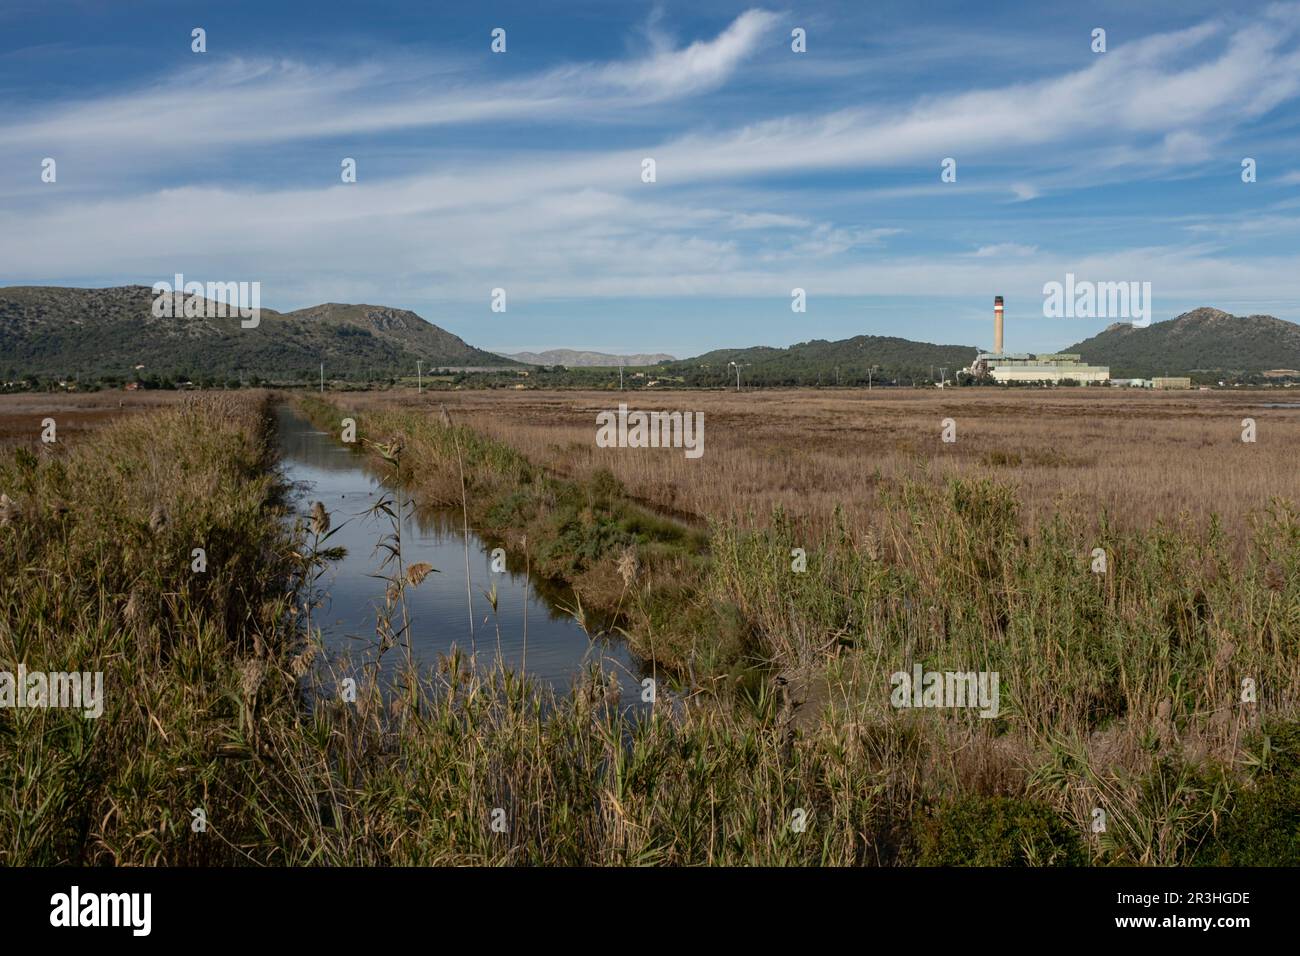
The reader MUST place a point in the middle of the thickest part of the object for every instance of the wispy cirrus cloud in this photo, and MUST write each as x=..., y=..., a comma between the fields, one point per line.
x=240, y=101
x=1137, y=89
x=669, y=73
x=843, y=201
x=1003, y=250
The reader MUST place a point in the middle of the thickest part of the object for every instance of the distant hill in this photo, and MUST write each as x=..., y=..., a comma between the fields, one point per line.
x=846, y=361
x=1209, y=341
x=575, y=359
x=46, y=330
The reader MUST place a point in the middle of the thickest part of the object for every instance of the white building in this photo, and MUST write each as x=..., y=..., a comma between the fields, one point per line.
x=1025, y=368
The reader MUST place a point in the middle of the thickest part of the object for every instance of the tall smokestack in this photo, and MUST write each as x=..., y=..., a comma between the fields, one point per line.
x=997, y=325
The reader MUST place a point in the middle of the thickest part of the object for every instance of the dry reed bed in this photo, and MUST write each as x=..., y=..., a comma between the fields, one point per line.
x=75, y=413
x=1121, y=691
x=1137, y=457
x=1112, y=681
x=95, y=575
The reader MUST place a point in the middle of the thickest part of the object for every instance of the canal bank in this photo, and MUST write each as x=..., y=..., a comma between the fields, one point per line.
x=529, y=620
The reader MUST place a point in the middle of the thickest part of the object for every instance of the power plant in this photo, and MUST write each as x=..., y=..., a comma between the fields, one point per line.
x=1004, y=367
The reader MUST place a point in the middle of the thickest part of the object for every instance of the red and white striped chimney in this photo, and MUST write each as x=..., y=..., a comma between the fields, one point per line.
x=997, y=325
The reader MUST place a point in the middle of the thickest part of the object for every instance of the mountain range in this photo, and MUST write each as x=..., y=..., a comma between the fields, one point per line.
x=47, y=330
x=573, y=358
x=90, y=333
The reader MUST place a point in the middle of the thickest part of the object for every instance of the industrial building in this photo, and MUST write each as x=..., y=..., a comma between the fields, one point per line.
x=1005, y=368
x=1165, y=382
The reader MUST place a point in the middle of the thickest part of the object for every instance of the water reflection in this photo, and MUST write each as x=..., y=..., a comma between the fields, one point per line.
x=557, y=648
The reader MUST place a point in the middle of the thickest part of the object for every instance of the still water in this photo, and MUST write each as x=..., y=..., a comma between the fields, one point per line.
x=320, y=469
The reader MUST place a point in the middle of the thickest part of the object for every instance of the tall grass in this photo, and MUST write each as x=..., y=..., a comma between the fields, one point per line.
x=1132, y=457
x=1121, y=692
x=95, y=575
x=212, y=706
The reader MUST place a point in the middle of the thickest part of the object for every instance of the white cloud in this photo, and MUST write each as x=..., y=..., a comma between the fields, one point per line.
x=703, y=65
x=1003, y=250
x=1137, y=89
x=238, y=101
x=575, y=224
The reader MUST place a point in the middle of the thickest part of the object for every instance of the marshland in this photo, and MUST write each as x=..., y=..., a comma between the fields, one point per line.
x=1147, y=711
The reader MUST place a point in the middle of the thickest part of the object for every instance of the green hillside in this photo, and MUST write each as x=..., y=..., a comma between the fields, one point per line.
x=91, y=333
x=846, y=362
x=1204, y=343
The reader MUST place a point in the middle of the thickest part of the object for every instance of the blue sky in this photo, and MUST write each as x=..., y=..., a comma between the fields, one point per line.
x=775, y=169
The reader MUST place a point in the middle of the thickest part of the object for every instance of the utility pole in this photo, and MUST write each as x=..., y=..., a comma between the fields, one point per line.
x=738, y=368
x=869, y=370
x=322, y=378
x=419, y=376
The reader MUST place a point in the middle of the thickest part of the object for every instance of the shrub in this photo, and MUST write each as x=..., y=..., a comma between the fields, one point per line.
x=1263, y=828
x=998, y=831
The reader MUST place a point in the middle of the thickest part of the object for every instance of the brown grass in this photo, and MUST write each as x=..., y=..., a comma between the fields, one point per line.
x=1136, y=457
x=74, y=413
x=1121, y=691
